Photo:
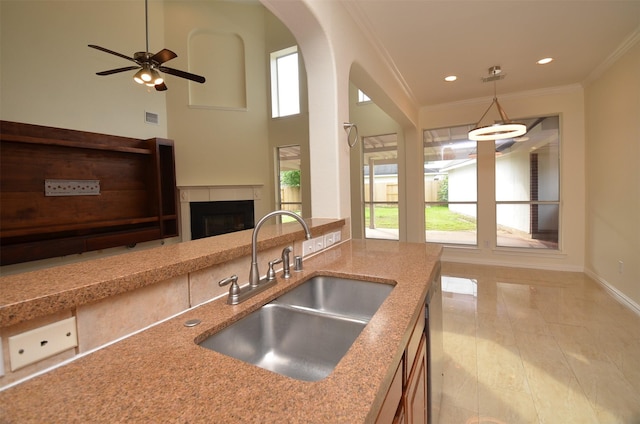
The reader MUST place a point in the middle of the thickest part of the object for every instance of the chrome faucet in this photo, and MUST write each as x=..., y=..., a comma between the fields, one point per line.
x=254, y=274
x=239, y=294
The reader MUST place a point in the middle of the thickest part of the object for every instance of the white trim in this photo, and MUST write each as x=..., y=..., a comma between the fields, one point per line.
x=498, y=262
x=623, y=48
x=188, y=194
x=563, y=89
x=617, y=294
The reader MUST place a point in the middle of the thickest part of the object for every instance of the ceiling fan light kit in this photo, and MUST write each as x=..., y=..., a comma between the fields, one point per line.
x=502, y=129
x=149, y=65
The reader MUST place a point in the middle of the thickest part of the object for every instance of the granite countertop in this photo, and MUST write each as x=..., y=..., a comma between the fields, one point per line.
x=39, y=293
x=162, y=375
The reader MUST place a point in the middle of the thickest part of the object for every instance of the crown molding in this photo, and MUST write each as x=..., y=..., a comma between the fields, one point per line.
x=563, y=89
x=367, y=29
x=622, y=49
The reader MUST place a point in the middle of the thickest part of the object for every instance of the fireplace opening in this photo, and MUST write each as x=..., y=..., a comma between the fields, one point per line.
x=220, y=217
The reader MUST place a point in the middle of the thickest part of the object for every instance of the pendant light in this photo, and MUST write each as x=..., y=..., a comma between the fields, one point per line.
x=502, y=129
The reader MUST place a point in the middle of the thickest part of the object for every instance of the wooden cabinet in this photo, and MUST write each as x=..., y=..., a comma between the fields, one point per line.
x=126, y=191
x=416, y=393
x=406, y=400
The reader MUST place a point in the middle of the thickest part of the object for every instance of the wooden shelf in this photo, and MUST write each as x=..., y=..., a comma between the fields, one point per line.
x=136, y=202
x=75, y=144
x=17, y=232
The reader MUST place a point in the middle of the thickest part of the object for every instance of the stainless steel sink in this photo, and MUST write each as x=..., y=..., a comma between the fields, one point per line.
x=299, y=344
x=340, y=296
x=304, y=333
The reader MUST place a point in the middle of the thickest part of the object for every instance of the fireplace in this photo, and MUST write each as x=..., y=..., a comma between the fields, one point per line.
x=220, y=217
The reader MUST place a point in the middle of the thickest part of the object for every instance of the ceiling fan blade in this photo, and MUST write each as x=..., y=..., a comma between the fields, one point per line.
x=163, y=55
x=182, y=74
x=115, y=71
x=112, y=52
x=161, y=87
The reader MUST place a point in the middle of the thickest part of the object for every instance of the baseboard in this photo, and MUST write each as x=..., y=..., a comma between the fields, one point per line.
x=502, y=263
x=617, y=294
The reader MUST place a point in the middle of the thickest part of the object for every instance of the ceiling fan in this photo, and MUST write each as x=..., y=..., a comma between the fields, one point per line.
x=149, y=64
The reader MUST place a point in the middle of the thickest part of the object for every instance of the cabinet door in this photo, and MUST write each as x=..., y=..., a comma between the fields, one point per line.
x=390, y=408
x=416, y=394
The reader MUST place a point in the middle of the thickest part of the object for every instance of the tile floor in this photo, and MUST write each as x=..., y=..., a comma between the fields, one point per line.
x=531, y=346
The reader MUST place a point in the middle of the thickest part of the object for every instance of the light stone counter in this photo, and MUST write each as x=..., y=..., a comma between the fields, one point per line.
x=162, y=375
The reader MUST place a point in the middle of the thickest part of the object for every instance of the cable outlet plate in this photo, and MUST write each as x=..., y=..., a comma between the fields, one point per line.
x=41, y=343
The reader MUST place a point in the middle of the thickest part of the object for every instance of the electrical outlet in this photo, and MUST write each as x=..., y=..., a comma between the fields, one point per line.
x=328, y=239
x=620, y=267
x=40, y=343
x=337, y=236
x=308, y=247
x=318, y=244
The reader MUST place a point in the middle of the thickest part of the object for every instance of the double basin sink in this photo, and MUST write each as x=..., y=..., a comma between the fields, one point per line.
x=304, y=333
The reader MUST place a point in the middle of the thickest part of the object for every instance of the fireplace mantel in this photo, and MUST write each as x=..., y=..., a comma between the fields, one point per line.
x=190, y=194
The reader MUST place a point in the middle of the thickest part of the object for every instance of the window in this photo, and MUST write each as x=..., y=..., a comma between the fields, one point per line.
x=528, y=187
x=285, y=88
x=450, y=182
x=363, y=98
x=381, y=186
x=289, y=197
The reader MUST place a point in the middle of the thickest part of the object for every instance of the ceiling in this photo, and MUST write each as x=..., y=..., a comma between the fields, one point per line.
x=427, y=40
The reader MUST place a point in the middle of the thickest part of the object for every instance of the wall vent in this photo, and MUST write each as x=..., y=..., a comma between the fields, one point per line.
x=151, y=118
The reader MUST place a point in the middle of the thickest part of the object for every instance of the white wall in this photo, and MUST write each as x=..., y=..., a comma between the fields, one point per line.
x=613, y=176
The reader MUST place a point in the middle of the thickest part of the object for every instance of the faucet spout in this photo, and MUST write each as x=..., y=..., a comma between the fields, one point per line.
x=254, y=274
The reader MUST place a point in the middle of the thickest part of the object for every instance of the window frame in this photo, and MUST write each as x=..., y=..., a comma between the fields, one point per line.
x=276, y=88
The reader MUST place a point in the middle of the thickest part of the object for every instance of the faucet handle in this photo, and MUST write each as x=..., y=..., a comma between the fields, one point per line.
x=271, y=274
x=234, y=290
x=233, y=279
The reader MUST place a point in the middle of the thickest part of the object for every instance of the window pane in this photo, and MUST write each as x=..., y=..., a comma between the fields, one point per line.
x=527, y=225
x=285, y=88
x=527, y=186
x=381, y=186
x=289, y=195
x=450, y=179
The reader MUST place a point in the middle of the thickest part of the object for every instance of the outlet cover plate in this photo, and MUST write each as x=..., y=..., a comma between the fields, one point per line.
x=41, y=343
x=318, y=243
x=308, y=247
x=328, y=240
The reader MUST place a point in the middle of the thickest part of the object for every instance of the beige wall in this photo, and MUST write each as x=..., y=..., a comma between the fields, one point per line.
x=48, y=72
x=613, y=176
x=217, y=145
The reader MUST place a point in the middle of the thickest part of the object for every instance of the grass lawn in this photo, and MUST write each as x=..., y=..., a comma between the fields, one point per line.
x=438, y=218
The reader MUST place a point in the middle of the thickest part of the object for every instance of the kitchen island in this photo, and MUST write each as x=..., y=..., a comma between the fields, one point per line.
x=162, y=375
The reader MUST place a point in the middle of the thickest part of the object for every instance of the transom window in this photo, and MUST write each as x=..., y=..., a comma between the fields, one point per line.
x=285, y=86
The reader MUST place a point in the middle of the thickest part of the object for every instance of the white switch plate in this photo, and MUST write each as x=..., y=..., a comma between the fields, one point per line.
x=318, y=243
x=308, y=247
x=328, y=239
x=40, y=343
x=337, y=236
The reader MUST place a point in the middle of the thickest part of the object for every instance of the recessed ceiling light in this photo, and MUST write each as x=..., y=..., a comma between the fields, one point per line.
x=450, y=78
x=545, y=61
